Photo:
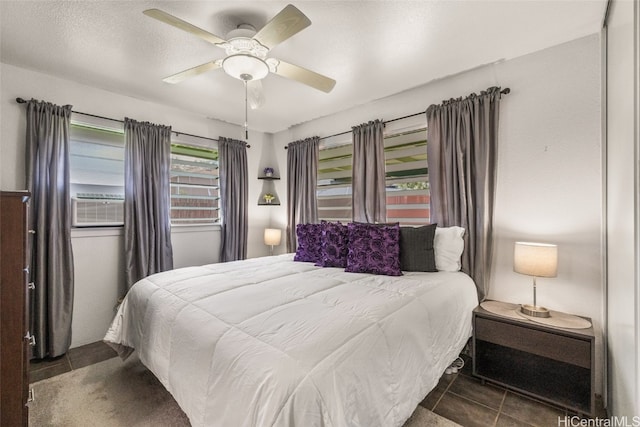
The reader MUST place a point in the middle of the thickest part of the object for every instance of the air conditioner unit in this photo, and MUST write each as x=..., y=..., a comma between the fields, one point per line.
x=96, y=212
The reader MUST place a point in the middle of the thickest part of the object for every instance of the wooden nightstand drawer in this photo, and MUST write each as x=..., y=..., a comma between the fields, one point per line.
x=542, y=343
x=552, y=364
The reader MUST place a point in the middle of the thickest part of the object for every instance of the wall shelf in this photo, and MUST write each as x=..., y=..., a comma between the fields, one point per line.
x=268, y=187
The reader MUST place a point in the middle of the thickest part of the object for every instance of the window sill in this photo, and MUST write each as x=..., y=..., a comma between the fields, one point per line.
x=82, y=232
x=192, y=228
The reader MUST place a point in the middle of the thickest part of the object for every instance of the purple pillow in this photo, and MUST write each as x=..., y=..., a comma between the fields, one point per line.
x=374, y=248
x=335, y=245
x=309, y=242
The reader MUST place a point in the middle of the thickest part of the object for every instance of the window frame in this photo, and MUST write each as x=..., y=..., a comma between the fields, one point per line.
x=184, y=145
x=406, y=143
x=195, y=151
x=404, y=136
x=338, y=166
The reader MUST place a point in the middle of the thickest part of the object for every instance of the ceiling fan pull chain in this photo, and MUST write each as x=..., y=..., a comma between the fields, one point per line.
x=246, y=112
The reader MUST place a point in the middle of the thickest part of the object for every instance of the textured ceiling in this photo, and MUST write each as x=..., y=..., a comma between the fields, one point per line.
x=372, y=48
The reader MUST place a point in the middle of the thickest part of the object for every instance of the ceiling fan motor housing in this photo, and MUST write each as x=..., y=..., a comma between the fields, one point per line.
x=246, y=31
x=245, y=55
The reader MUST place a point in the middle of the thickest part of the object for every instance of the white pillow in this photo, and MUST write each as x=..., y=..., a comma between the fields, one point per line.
x=448, y=246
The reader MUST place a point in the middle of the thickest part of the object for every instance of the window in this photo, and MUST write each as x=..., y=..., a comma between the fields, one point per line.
x=406, y=179
x=96, y=175
x=334, y=183
x=97, y=179
x=194, y=185
x=96, y=158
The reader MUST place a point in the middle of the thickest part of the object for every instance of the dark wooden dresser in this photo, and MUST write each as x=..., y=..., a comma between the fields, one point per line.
x=14, y=322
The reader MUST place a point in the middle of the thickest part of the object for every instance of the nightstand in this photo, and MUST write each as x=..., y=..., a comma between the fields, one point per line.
x=548, y=363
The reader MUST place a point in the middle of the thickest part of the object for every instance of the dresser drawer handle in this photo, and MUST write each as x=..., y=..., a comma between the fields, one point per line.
x=32, y=396
x=31, y=339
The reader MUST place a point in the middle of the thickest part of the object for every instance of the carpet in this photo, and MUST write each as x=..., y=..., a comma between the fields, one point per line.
x=118, y=394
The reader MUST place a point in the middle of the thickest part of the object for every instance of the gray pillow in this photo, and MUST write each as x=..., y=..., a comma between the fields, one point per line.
x=416, y=248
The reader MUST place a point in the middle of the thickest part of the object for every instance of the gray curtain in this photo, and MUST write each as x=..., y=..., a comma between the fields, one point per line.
x=147, y=200
x=302, y=179
x=234, y=198
x=51, y=263
x=462, y=139
x=369, y=198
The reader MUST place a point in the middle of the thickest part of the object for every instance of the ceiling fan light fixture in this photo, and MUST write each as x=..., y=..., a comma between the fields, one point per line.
x=245, y=67
x=241, y=40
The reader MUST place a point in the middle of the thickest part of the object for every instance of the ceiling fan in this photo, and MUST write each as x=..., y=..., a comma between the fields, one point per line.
x=246, y=52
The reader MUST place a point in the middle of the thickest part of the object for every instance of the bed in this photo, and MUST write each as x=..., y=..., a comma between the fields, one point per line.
x=273, y=342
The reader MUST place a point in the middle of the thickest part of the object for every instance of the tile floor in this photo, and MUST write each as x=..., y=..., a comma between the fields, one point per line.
x=76, y=358
x=458, y=397
x=464, y=399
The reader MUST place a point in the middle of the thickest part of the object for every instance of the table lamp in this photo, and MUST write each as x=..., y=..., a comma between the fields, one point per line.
x=537, y=260
x=272, y=237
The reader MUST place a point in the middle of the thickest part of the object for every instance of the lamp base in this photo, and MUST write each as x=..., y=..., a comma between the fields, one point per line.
x=534, y=310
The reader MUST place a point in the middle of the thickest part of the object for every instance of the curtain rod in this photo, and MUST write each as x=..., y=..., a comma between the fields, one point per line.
x=177, y=133
x=504, y=91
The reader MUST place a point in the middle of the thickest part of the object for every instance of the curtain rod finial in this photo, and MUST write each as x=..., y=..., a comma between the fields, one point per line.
x=20, y=101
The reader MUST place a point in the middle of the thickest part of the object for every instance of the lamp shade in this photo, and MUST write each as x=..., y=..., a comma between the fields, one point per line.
x=272, y=236
x=535, y=259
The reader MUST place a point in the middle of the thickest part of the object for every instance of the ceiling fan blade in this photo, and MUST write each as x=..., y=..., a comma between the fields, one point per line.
x=255, y=94
x=302, y=75
x=285, y=24
x=183, y=25
x=191, y=72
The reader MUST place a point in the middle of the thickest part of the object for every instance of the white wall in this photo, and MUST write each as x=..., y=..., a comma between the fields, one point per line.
x=623, y=295
x=98, y=254
x=549, y=167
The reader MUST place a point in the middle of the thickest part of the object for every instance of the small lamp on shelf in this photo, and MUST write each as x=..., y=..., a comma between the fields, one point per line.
x=537, y=260
x=272, y=237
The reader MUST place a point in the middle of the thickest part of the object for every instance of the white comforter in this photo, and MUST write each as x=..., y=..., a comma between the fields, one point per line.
x=272, y=342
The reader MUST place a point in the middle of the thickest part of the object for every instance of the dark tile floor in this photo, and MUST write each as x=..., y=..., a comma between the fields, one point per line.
x=76, y=358
x=464, y=399
x=459, y=397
